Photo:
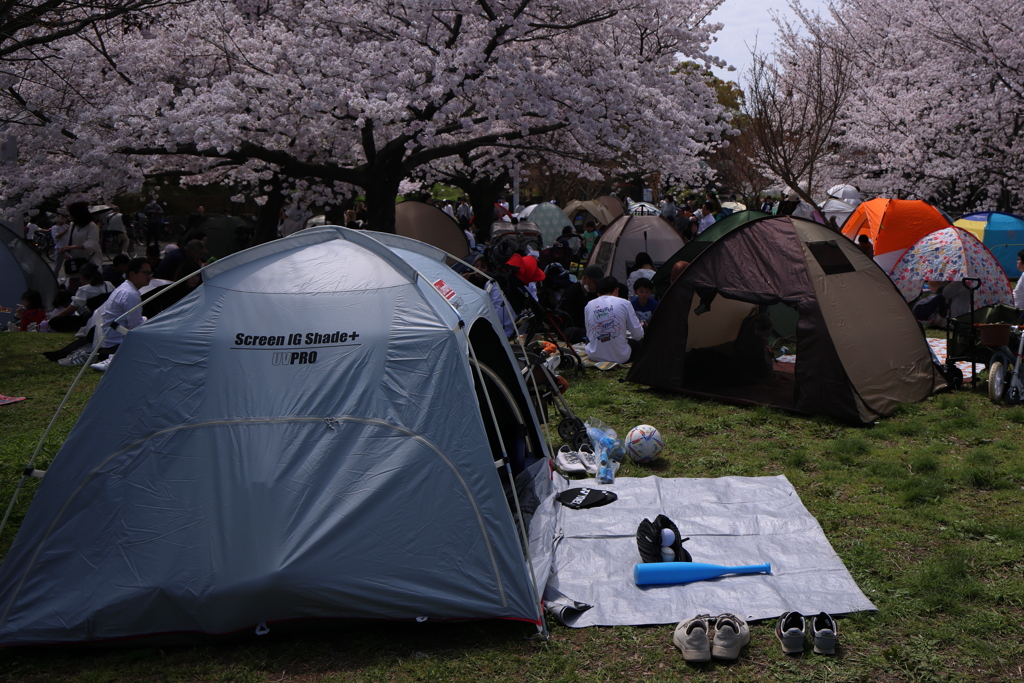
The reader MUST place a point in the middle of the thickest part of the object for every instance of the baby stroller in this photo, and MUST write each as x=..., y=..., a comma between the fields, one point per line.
x=535, y=321
x=541, y=360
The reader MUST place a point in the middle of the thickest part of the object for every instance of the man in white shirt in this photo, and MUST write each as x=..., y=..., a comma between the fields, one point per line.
x=30, y=229
x=668, y=212
x=124, y=299
x=115, y=226
x=608, y=318
x=707, y=218
x=465, y=211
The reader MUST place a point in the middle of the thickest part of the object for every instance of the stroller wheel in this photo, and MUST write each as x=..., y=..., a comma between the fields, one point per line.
x=568, y=428
x=580, y=439
x=570, y=362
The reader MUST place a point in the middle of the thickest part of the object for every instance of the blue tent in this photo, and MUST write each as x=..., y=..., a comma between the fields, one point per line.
x=303, y=437
x=1002, y=233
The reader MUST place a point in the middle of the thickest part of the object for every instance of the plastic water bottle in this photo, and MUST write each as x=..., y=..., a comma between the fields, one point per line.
x=617, y=452
x=606, y=472
x=600, y=439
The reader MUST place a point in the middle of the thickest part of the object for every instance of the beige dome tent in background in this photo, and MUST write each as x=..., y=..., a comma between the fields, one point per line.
x=628, y=236
x=581, y=212
x=431, y=225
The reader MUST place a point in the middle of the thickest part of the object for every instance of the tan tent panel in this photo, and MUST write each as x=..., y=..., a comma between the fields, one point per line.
x=859, y=351
x=431, y=225
x=613, y=204
x=580, y=213
x=628, y=236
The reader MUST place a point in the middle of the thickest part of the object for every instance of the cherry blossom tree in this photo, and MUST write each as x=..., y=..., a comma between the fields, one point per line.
x=795, y=100
x=327, y=96
x=29, y=26
x=936, y=103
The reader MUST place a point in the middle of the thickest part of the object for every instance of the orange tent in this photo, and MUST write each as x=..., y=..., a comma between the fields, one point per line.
x=893, y=225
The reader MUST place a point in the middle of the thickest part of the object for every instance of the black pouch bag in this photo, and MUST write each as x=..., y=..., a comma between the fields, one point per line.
x=74, y=265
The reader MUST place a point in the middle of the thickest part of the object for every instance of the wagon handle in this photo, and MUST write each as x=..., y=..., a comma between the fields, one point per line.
x=971, y=283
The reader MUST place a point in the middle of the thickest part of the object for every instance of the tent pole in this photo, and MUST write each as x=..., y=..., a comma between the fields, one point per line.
x=543, y=628
x=519, y=341
x=28, y=471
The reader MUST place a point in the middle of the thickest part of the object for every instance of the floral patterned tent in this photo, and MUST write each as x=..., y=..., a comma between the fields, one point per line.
x=948, y=255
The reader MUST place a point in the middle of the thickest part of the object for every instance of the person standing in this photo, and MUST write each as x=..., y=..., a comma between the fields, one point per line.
x=83, y=243
x=118, y=236
x=464, y=213
x=707, y=217
x=196, y=219
x=154, y=222
x=590, y=236
x=669, y=211
x=60, y=231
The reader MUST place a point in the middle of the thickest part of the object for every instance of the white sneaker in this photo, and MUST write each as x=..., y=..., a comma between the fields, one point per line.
x=588, y=457
x=731, y=634
x=103, y=364
x=568, y=461
x=691, y=637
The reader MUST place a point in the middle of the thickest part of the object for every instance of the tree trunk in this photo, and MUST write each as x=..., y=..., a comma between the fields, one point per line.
x=381, y=189
x=483, y=195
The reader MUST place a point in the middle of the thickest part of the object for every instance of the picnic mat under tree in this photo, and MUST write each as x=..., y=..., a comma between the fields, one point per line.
x=729, y=520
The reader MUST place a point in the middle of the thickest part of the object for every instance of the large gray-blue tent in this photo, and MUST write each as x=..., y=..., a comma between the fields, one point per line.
x=307, y=435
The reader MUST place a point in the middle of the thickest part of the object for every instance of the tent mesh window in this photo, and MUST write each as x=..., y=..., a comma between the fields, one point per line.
x=830, y=257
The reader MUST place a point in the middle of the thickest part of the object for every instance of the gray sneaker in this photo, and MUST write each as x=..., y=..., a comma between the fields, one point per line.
x=75, y=358
x=731, y=634
x=691, y=637
x=790, y=632
x=825, y=634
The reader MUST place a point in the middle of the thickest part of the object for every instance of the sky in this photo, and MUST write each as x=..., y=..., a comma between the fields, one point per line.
x=747, y=21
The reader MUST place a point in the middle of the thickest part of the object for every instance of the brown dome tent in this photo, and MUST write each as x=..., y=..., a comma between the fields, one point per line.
x=430, y=224
x=628, y=236
x=580, y=213
x=613, y=204
x=859, y=351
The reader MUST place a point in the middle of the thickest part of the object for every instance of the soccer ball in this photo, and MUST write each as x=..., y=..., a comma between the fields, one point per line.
x=643, y=443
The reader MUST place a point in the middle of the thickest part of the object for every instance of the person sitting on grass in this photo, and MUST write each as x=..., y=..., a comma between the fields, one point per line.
x=114, y=271
x=124, y=299
x=31, y=311
x=83, y=303
x=608, y=318
x=643, y=303
x=643, y=267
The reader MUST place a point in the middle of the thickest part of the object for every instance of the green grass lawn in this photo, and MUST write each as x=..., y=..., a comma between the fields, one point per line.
x=925, y=508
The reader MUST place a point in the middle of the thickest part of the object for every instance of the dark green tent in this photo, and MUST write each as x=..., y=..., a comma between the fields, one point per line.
x=693, y=248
